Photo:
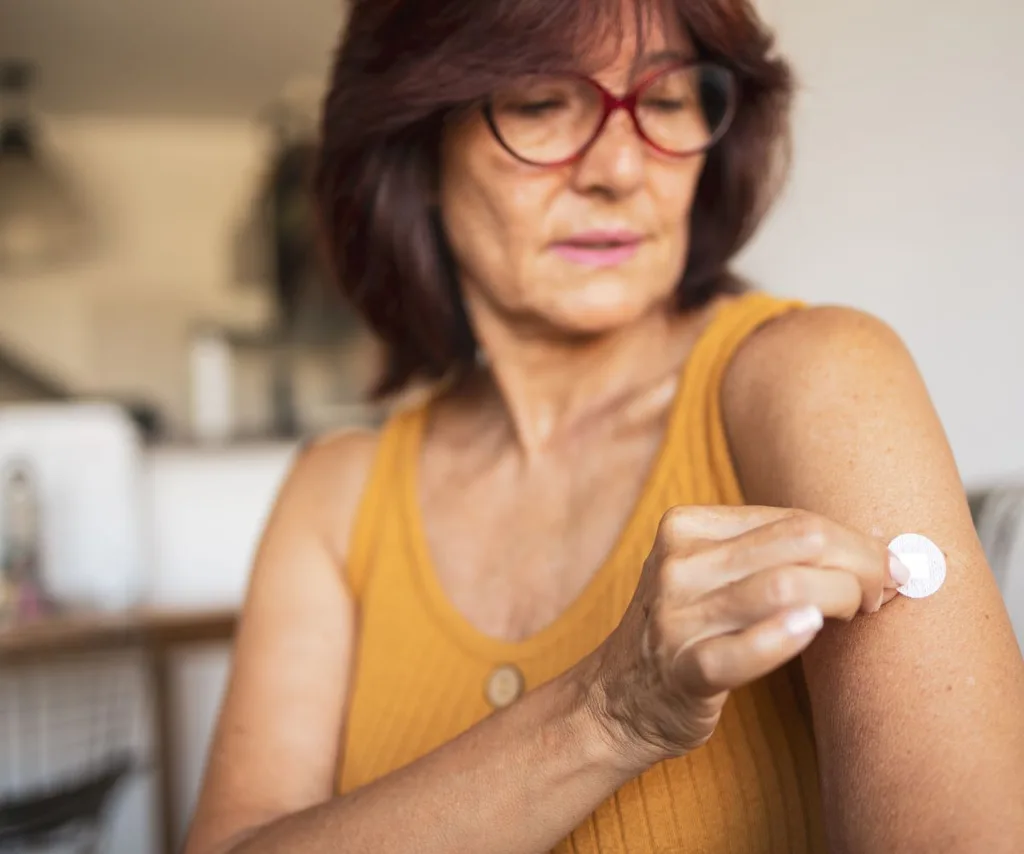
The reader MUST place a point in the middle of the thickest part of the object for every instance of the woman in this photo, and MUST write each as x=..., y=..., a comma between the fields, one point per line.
x=553, y=606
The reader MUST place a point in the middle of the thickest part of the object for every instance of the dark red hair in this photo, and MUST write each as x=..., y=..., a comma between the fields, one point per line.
x=403, y=66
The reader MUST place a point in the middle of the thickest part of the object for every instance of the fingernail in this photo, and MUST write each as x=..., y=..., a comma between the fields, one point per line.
x=898, y=570
x=804, y=621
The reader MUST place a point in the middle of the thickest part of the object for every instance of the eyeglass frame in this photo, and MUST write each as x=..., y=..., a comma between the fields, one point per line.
x=611, y=103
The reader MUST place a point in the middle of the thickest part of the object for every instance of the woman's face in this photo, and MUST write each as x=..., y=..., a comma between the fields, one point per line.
x=581, y=248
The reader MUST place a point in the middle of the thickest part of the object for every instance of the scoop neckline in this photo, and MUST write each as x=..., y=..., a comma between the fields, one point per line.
x=451, y=620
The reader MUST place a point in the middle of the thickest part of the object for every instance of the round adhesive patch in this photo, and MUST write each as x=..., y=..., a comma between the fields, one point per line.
x=926, y=562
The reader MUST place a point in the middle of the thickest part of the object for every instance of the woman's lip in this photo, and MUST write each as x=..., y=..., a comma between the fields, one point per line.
x=597, y=254
x=604, y=235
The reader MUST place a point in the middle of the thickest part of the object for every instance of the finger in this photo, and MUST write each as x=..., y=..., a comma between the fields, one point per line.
x=682, y=524
x=738, y=606
x=728, y=662
x=796, y=539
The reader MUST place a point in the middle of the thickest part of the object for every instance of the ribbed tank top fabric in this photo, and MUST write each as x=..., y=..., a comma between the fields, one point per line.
x=421, y=668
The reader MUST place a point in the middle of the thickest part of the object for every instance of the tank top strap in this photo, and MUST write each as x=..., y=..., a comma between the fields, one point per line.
x=381, y=494
x=703, y=428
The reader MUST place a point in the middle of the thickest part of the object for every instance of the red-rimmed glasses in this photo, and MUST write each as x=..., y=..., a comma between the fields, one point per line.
x=551, y=120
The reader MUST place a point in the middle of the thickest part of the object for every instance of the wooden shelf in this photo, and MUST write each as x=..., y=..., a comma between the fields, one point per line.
x=99, y=632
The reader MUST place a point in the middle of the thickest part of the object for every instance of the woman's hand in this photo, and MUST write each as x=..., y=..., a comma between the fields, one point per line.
x=727, y=595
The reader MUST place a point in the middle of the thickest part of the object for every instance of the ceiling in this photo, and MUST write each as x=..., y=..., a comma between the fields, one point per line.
x=226, y=58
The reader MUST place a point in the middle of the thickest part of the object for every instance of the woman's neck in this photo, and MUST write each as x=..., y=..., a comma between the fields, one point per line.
x=549, y=386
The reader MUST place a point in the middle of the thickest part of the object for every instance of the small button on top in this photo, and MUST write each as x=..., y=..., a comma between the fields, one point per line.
x=504, y=686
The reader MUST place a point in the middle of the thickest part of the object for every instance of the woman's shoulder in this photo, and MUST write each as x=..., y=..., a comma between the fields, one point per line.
x=794, y=345
x=327, y=480
x=807, y=361
x=340, y=458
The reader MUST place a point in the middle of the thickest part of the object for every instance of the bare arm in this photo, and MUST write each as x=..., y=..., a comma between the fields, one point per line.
x=918, y=710
x=518, y=782
x=275, y=748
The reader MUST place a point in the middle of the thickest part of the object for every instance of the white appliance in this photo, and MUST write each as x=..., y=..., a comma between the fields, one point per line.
x=86, y=461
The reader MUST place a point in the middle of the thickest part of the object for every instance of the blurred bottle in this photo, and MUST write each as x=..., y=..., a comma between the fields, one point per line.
x=22, y=595
x=211, y=367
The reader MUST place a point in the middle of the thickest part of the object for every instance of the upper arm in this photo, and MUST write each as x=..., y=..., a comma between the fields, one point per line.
x=275, y=748
x=917, y=709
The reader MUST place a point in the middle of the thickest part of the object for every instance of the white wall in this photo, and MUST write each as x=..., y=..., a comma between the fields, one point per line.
x=906, y=196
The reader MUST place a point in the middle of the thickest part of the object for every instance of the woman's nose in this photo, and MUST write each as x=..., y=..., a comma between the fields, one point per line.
x=615, y=162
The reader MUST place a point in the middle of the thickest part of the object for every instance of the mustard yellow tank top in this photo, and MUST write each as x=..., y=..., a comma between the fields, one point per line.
x=422, y=670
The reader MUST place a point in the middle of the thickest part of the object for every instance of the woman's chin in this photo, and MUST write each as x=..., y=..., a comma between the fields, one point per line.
x=597, y=311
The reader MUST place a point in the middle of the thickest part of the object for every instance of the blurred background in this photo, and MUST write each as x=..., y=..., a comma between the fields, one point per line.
x=168, y=336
